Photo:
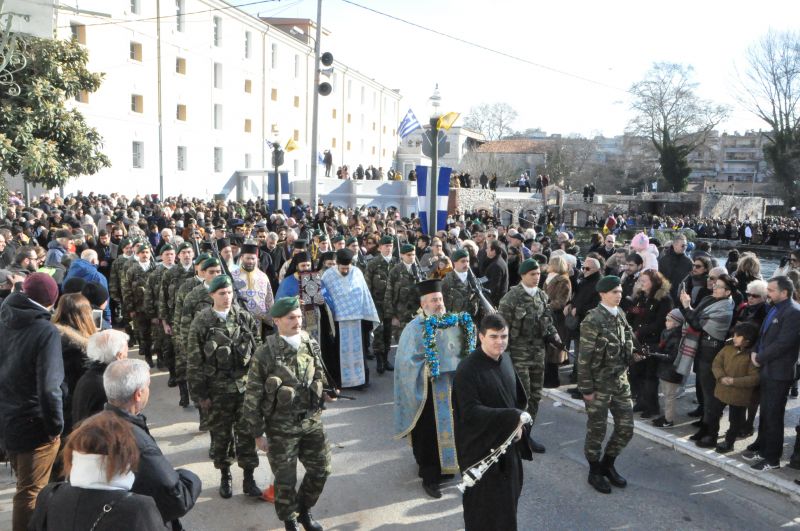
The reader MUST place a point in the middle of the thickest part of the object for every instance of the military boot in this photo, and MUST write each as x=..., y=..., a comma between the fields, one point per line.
x=291, y=525
x=173, y=381
x=597, y=479
x=380, y=363
x=148, y=356
x=249, y=484
x=305, y=518
x=611, y=473
x=386, y=363
x=183, y=387
x=225, y=482
x=794, y=461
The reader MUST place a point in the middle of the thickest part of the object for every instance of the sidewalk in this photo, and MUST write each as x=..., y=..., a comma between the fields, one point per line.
x=780, y=480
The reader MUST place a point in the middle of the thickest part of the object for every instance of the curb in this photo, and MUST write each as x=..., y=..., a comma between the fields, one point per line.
x=734, y=467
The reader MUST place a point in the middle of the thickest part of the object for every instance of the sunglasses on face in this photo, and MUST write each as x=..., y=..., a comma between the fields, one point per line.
x=754, y=295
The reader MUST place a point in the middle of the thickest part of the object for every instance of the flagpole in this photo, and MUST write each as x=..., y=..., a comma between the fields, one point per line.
x=433, y=189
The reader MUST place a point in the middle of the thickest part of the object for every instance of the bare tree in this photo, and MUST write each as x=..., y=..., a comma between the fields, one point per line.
x=673, y=117
x=492, y=120
x=771, y=90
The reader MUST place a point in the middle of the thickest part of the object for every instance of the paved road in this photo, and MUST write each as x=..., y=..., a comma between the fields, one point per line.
x=375, y=486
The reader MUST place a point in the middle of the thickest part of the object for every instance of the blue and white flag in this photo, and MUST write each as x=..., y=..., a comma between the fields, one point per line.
x=408, y=125
x=442, y=195
x=285, y=195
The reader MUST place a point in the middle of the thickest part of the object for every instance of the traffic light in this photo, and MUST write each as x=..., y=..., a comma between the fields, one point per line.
x=326, y=59
x=277, y=157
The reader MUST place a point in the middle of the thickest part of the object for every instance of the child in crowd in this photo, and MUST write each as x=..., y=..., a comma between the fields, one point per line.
x=670, y=380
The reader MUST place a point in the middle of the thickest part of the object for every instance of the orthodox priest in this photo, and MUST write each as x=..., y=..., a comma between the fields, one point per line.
x=354, y=313
x=430, y=347
x=489, y=403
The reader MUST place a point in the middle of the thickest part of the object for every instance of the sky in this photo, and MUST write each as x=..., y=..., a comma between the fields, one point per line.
x=576, y=58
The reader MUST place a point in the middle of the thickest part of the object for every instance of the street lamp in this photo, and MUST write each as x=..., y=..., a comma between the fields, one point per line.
x=435, y=103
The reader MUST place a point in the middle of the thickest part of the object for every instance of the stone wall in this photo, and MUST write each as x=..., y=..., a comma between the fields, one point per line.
x=728, y=206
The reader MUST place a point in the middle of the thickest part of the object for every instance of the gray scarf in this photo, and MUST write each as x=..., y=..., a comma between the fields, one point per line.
x=716, y=318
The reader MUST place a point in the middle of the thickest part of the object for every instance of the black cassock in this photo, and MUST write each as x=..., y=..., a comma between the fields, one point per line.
x=488, y=399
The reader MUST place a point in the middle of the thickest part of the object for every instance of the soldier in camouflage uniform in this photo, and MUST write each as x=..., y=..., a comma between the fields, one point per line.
x=151, y=307
x=170, y=281
x=186, y=286
x=283, y=401
x=458, y=296
x=358, y=257
x=377, y=277
x=134, y=288
x=526, y=309
x=115, y=283
x=606, y=351
x=222, y=340
x=401, y=301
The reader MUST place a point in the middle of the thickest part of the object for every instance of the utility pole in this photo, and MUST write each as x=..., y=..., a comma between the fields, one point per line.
x=315, y=112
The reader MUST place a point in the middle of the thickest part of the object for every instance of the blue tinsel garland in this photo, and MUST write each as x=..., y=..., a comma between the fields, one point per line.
x=432, y=323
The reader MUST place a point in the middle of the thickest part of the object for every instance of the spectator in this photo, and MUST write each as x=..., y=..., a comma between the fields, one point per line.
x=675, y=265
x=559, y=292
x=669, y=379
x=496, y=273
x=97, y=295
x=102, y=348
x=59, y=247
x=127, y=386
x=31, y=372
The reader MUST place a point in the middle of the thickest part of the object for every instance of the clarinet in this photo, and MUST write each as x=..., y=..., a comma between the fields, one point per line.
x=474, y=473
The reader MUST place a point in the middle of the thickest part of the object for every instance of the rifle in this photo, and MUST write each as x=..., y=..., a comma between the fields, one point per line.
x=331, y=391
x=477, y=289
x=238, y=296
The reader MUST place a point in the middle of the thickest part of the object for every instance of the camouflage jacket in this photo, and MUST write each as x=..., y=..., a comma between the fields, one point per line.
x=180, y=296
x=458, y=297
x=134, y=286
x=377, y=278
x=401, y=299
x=196, y=301
x=529, y=318
x=220, y=351
x=284, y=387
x=115, y=282
x=170, y=283
x=606, y=349
x=151, y=295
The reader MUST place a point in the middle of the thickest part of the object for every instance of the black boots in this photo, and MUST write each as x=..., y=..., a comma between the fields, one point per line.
x=249, y=484
x=183, y=387
x=173, y=380
x=611, y=473
x=383, y=362
x=597, y=479
x=386, y=363
x=226, y=483
x=794, y=461
x=291, y=525
x=308, y=522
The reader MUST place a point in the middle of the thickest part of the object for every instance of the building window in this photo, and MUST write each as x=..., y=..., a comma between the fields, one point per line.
x=78, y=32
x=136, y=51
x=384, y=129
x=217, y=116
x=248, y=39
x=363, y=91
x=348, y=145
x=373, y=126
x=296, y=135
x=274, y=55
x=248, y=125
x=138, y=155
x=374, y=100
x=181, y=112
x=274, y=95
x=137, y=103
x=180, y=65
x=135, y=7
x=333, y=114
x=217, y=31
x=361, y=145
x=333, y=142
x=248, y=86
x=384, y=152
x=297, y=101
x=348, y=117
x=296, y=66
x=217, y=159
x=373, y=150
x=296, y=167
x=180, y=14
x=247, y=159
x=181, y=158
x=218, y=75
x=349, y=88
x=82, y=96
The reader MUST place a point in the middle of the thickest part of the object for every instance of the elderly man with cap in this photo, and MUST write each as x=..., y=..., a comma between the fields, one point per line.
x=162, y=345
x=401, y=300
x=348, y=296
x=253, y=286
x=222, y=340
x=31, y=374
x=526, y=309
x=7, y=282
x=134, y=287
x=283, y=408
x=376, y=275
x=58, y=247
x=186, y=287
x=171, y=279
x=606, y=350
x=423, y=382
x=456, y=290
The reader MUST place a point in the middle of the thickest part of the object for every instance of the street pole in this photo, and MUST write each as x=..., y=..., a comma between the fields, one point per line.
x=277, y=182
x=160, y=116
x=315, y=112
x=434, y=178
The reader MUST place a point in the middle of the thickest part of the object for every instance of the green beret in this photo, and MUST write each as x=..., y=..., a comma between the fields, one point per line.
x=142, y=248
x=283, y=306
x=210, y=262
x=351, y=240
x=458, y=255
x=607, y=283
x=124, y=242
x=528, y=265
x=338, y=238
x=202, y=257
x=222, y=281
x=386, y=240
x=406, y=248
x=184, y=245
x=167, y=247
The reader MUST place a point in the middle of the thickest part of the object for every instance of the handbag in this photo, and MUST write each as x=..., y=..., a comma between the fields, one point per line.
x=687, y=350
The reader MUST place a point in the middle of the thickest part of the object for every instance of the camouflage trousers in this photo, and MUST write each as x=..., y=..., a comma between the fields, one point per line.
x=180, y=357
x=230, y=438
x=531, y=373
x=612, y=396
x=382, y=337
x=311, y=447
x=162, y=345
x=143, y=331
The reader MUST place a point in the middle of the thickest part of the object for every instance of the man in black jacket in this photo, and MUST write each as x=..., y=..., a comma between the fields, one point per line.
x=31, y=374
x=675, y=265
x=585, y=298
x=496, y=273
x=127, y=386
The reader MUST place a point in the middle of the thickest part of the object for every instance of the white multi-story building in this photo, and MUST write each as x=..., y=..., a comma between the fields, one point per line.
x=193, y=90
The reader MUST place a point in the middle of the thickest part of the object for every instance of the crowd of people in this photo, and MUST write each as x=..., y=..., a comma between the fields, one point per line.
x=261, y=317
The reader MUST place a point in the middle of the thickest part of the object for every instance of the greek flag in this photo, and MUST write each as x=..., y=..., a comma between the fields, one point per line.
x=285, y=193
x=408, y=125
x=442, y=195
